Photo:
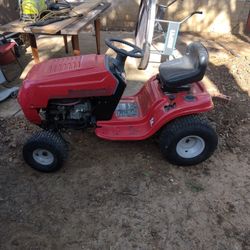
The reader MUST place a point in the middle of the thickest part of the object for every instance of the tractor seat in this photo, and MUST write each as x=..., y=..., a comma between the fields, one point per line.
x=176, y=74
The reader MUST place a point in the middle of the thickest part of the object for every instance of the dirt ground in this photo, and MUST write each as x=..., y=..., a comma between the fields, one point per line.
x=124, y=195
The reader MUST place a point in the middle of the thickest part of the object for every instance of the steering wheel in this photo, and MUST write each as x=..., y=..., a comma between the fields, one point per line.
x=136, y=52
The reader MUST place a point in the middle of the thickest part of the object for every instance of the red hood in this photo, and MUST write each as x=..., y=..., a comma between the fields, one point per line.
x=59, y=69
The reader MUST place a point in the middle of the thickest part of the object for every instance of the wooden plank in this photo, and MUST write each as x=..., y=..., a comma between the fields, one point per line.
x=75, y=27
x=22, y=27
x=54, y=28
x=15, y=26
x=85, y=7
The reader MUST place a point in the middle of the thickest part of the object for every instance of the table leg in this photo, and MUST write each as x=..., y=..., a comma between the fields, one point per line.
x=248, y=23
x=97, y=24
x=66, y=44
x=75, y=45
x=34, y=48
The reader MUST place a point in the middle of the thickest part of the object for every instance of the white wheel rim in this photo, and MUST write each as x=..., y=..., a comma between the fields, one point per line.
x=43, y=156
x=190, y=146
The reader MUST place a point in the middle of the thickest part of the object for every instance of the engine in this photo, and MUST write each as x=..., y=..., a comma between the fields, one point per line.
x=68, y=113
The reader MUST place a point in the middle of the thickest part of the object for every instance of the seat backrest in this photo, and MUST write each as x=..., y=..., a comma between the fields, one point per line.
x=198, y=55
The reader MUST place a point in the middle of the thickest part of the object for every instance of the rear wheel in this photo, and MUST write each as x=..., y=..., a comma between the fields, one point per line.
x=45, y=151
x=188, y=140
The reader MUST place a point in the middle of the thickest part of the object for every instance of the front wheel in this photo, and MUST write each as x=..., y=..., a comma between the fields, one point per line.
x=45, y=151
x=188, y=140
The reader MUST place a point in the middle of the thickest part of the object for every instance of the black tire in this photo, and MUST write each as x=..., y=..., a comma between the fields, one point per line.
x=180, y=131
x=51, y=147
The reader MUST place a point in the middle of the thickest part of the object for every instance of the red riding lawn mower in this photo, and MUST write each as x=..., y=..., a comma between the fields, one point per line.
x=86, y=91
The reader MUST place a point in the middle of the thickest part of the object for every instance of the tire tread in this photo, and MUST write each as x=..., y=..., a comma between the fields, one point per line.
x=54, y=140
x=172, y=129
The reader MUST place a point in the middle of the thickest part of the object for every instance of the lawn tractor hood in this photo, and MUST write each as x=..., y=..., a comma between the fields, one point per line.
x=70, y=77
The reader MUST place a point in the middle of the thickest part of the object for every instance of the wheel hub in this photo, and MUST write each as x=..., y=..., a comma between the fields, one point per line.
x=190, y=146
x=43, y=156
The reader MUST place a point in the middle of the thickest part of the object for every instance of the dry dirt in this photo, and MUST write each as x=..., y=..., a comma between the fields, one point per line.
x=124, y=195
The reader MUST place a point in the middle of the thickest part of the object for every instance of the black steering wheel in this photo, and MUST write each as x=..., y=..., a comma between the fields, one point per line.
x=136, y=52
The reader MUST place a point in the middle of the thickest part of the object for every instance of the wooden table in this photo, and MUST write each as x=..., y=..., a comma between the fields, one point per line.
x=91, y=10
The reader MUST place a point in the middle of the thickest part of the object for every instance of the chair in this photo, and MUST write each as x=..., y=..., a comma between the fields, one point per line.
x=178, y=74
x=7, y=54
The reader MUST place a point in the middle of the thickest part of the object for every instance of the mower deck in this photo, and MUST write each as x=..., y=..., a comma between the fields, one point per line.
x=140, y=116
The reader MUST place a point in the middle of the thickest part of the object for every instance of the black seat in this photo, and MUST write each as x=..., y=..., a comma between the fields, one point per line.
x=177, y=74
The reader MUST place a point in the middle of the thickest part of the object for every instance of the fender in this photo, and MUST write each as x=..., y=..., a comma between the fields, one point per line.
x=155, y=110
